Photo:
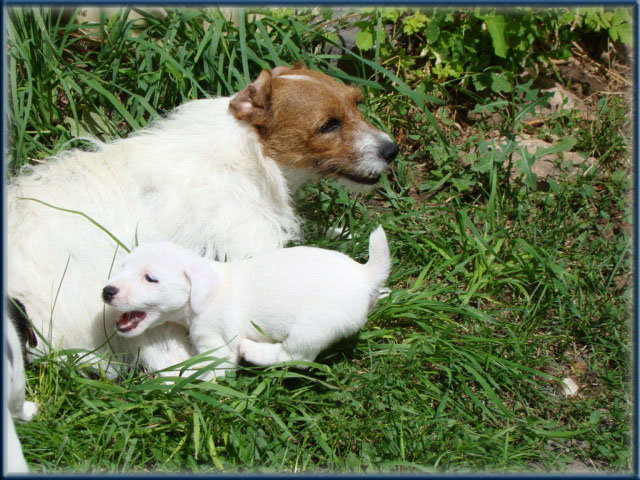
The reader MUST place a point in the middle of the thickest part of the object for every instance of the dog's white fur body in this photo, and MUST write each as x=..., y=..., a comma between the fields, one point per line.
x=16, y=407
x=148, y=183
x=287, y=304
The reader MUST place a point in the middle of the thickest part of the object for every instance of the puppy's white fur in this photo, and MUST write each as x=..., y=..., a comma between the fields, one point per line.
x=288, y=304
x=16, y=406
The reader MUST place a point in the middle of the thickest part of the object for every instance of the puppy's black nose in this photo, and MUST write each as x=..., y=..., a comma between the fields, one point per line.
x=108, y=293
x=389, y=151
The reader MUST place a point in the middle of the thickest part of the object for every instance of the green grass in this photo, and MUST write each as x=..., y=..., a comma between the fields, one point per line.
x=499, y=290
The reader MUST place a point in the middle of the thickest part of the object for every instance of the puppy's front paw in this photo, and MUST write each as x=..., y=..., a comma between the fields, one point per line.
x=29, y=410
x=209, y=376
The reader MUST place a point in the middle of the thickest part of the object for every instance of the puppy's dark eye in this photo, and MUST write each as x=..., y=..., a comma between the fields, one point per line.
x=151, y=279
x=330, y=125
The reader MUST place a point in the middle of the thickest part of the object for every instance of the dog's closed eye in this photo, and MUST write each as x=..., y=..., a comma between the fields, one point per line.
x=150, y=279
x=330, y=125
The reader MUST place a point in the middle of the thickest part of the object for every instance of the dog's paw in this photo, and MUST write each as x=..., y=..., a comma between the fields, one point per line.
x=246, y=349
x=29, y=410
x=384, y=292
x=334, y=233
x=209, y=376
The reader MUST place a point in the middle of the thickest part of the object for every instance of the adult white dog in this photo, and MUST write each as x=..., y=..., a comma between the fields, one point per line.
x=215, y=177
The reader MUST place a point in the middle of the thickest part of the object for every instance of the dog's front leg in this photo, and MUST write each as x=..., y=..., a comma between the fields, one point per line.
x=214, y=345
x=158, y=349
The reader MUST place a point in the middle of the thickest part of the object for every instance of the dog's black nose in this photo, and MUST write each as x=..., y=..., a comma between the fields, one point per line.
x=389, y=151
x=108, y=293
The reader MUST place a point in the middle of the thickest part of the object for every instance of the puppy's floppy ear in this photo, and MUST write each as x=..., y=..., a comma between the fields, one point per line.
x=253, y=103
x=205, y=283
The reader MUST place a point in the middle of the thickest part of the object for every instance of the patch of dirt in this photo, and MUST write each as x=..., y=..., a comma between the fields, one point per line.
x=589, y=73
x=585, y=80
x=577, y=466
x=561, y=99
x=551, y=165
x=580, y=467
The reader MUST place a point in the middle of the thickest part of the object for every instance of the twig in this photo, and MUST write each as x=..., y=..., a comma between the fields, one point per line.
x=579, y=51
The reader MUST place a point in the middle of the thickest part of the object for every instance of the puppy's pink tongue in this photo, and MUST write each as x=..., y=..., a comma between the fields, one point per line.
x=130, y=320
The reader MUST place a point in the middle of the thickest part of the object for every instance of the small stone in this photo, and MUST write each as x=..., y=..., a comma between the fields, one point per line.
x=569, y=387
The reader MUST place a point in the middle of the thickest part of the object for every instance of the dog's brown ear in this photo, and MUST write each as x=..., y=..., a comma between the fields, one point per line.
x=277, y=71
x=253, y=103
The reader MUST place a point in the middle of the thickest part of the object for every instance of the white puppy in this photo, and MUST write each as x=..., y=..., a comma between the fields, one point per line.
x=15, y=407
x=216, y=177
x=288, y=304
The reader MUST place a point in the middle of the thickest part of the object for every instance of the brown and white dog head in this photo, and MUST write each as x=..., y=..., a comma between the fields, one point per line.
x=309, y=122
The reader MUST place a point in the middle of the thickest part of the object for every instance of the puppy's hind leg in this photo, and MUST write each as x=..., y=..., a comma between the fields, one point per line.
x=265, y=354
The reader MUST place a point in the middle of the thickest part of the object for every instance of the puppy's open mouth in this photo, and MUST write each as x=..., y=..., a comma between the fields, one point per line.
x=360, y=179
x=129, y=320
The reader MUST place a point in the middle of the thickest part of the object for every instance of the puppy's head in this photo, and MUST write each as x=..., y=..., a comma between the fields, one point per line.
x=308, y=121
x=157, y=283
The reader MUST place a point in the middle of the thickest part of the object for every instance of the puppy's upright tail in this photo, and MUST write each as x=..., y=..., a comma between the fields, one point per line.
x=379, y=263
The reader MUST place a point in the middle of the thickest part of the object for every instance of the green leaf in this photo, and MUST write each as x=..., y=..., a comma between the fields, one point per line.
x=497, y=26
x=564, y=146
x=500, y=83
x=624, y=32
x=588, y=190
x=525, y=163
x=110, y=387
x=433, y=31
x=327, y=13
x=558, y=433
x=333, y=37
x=595, y=417
x=620, y=16
x=364, y=40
